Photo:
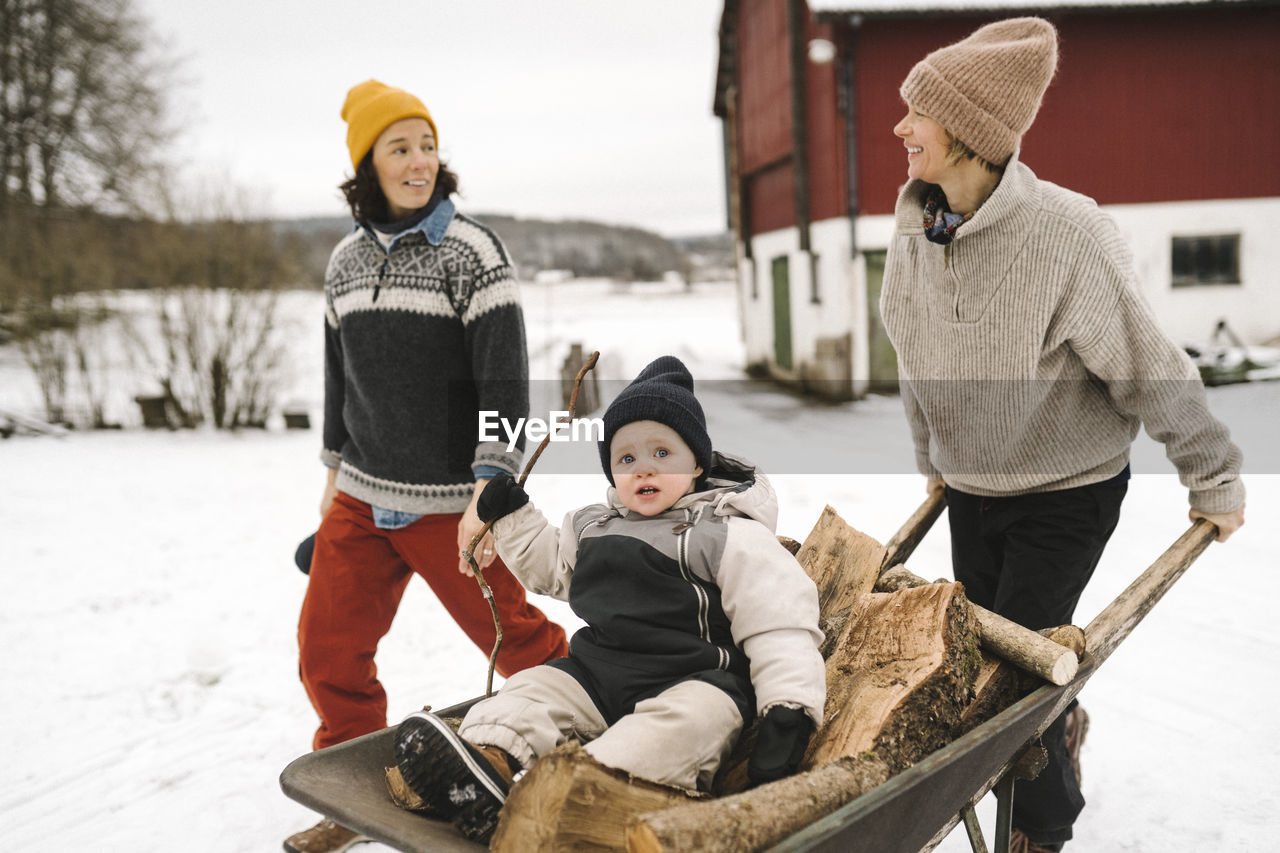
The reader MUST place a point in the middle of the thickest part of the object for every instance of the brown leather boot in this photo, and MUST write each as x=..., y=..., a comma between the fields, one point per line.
x=1019, y=843
x=503, y=763
x=1077, y=728
x=325, y=837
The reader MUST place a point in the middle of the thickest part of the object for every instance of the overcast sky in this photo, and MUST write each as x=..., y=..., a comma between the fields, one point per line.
x=594, y=109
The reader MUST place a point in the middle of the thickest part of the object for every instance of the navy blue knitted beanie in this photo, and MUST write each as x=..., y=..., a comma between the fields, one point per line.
x=663, y=392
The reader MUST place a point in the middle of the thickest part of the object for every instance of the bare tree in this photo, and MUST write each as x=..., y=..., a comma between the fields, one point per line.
x=82, y=111
x=56, y=325
x=81, y=126
x=213, y=342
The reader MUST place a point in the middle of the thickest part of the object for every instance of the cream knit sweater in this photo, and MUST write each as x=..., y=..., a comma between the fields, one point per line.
x=1029, y=359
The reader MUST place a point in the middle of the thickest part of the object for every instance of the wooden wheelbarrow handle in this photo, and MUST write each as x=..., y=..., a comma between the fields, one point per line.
x=1025, y=648
x=1118, y=619
x=904, y=542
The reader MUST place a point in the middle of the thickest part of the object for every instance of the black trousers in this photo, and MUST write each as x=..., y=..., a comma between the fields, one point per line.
x=1028, y=558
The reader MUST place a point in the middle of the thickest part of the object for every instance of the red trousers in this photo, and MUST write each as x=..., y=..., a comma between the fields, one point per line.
x=358, y=575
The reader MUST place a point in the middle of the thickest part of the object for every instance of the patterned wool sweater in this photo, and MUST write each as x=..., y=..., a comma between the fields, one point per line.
x=1028, y=357
x=418, y=340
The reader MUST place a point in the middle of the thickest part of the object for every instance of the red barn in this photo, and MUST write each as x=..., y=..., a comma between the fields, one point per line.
x=1167, y=113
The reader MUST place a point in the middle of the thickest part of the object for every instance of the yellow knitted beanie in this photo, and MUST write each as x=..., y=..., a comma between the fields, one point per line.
x=987, y=88
x=371, y=107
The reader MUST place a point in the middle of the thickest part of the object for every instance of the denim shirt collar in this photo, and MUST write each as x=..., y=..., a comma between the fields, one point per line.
x=433, y=227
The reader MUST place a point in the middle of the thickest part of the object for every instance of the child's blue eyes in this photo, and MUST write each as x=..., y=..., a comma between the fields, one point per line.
x=627, y=458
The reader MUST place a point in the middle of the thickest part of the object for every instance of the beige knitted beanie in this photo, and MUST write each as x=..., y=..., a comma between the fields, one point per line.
x=987, y=88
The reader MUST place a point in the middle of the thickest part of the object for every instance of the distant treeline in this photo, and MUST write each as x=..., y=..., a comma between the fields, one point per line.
x=205, y=339
x=584, y=249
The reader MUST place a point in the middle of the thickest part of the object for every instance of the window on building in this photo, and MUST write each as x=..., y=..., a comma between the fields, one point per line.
x=1206, y=259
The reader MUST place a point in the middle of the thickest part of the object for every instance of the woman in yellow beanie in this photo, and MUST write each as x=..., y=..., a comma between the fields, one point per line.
x=1028, y=362
x=423, y=331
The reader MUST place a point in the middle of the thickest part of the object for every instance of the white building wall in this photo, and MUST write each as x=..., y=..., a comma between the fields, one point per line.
x=816, y=316
x=1187, y=314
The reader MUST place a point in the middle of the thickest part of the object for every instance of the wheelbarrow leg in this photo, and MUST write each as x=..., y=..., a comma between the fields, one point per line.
x=1004, y=813
x=976, y=841
x=1004, y=820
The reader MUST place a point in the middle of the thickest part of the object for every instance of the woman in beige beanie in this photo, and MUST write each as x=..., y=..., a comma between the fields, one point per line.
x=423, y=331
x=1029, y=361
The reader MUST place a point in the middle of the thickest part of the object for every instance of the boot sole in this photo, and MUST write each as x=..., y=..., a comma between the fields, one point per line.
x=439, y=767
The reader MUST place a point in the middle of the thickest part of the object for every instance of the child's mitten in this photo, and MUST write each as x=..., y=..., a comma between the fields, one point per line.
x=780, y=744
x=502, y=496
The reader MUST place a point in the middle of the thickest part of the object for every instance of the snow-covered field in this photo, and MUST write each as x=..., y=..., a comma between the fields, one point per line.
x=149, y=605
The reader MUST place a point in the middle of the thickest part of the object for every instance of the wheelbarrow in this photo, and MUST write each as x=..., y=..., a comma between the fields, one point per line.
x=911, y=812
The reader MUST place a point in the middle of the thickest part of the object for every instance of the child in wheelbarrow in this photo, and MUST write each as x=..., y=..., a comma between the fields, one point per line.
x=696, y=620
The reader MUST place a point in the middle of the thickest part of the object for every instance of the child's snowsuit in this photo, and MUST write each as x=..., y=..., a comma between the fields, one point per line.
x=697, y=618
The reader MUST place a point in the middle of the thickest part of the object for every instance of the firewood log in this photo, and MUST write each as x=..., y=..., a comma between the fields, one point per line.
x=758, y=818
x=996, y=688
x=401, y=794
x=568, y=801
x=1018, y=645
x=842, y=562
x=900, y=677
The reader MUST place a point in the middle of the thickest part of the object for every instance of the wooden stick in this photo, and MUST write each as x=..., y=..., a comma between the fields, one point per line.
x=1020, y=646
x=1025, y=648
x=904, y=542
x=469, y=554
x=1118, y=619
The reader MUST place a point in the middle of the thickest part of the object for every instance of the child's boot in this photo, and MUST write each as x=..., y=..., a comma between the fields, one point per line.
x=462, y=782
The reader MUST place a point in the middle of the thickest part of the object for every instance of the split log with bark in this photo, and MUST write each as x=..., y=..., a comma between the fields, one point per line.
x=900, y=677
x=568, y=801
x=1021, y=646
x=843, y=563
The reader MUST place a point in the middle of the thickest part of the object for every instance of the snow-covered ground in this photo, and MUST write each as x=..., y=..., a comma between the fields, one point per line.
x=149, y=602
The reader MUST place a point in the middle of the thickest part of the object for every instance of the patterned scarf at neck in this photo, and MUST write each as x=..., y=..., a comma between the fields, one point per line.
x=941, y=229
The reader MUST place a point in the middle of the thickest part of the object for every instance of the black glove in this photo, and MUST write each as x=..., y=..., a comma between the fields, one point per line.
x=780, y=743
x=502, y=496
x=302, y=556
